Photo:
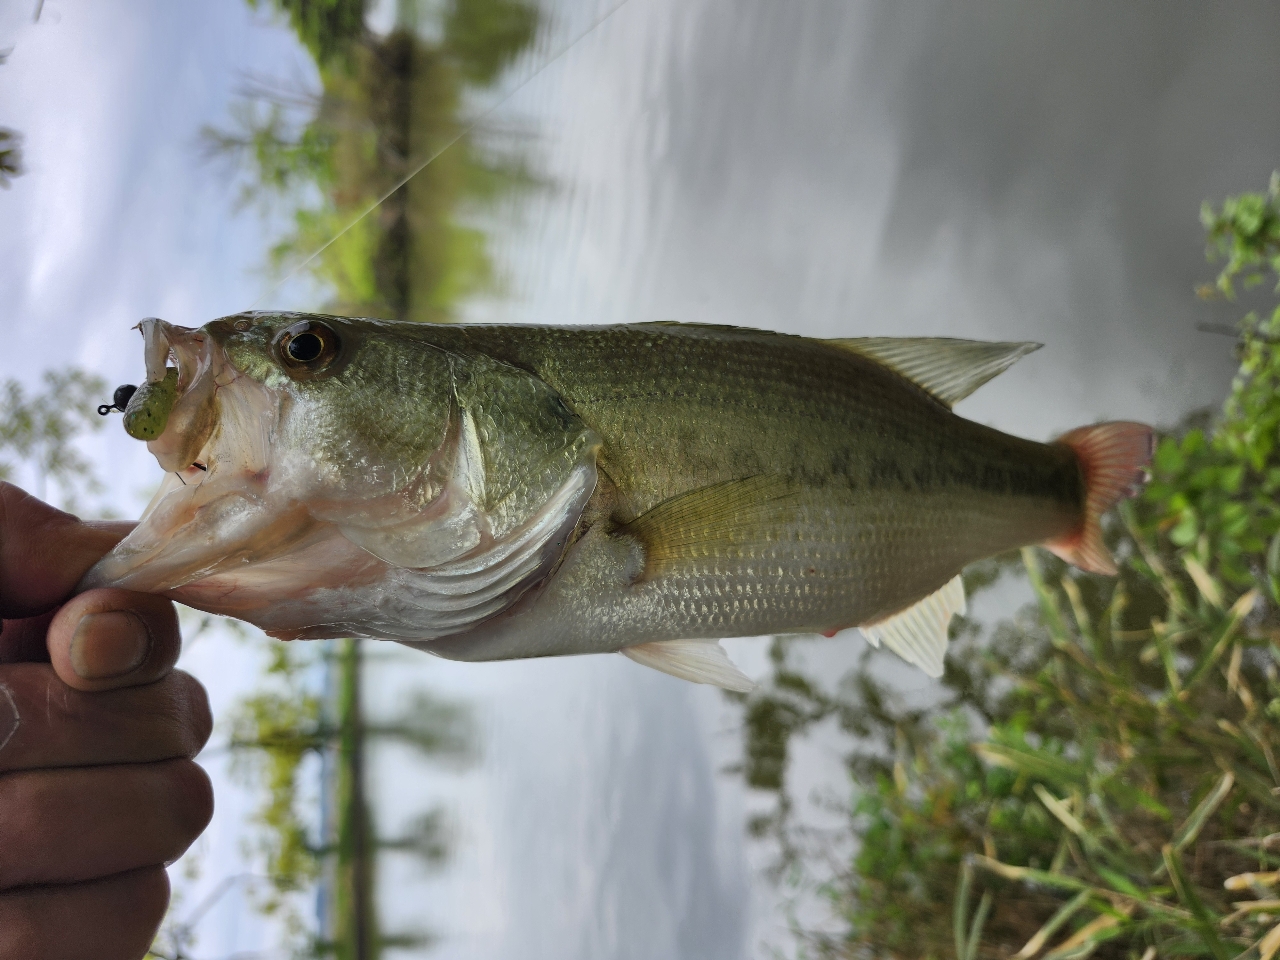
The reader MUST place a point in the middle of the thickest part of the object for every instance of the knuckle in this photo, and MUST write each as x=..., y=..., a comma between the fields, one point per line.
x=21, y=933
x=23, y=800
x=192, y=799
x=149, y=899
x=111, y=919
x=198, y=718
x=179, y=708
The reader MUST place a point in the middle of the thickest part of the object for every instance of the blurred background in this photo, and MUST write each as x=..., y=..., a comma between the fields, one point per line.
x=820, y=167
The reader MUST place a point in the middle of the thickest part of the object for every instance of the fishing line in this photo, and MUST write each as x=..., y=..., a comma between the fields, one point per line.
x=456, y=137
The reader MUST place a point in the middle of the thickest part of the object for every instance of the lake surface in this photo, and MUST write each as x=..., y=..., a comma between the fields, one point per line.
x=827, y=168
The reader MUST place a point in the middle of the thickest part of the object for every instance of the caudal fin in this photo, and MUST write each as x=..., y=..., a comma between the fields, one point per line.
x=1113, y=457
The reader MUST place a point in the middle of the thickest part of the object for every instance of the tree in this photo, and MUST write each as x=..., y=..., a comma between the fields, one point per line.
x=387, y=105
x=325, y=27
x=10, y=147
x=274, y=731
x=10, y=156
x=38, y=433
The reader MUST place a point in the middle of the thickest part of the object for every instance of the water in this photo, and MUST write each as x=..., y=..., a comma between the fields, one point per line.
x=825, y=168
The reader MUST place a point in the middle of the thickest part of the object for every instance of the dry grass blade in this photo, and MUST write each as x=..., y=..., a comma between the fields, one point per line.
x=1239, y=610
x=1246, y=907
x=1204, y=581
x=961, y=909
x=1041, y=937
x=1059, y=810
x=1269, y=944
x=1243, y=881
x=1088, y=934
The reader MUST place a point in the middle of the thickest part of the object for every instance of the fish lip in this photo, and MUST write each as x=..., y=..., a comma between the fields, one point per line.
x=202, y=368
x=189, y=347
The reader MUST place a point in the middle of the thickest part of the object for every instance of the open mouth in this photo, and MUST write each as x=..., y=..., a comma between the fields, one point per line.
x=210, y=430
x=175, y=410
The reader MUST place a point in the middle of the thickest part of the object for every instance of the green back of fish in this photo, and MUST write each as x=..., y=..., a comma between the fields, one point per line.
x=886, y=482
x=749, y=482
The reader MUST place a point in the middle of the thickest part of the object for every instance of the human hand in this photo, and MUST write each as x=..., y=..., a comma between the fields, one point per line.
x=98, y=790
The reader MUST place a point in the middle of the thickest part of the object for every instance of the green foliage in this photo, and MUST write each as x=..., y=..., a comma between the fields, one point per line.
x=10, y=147
x=486, y=35
x=1101, y=778
x=10, y=156
x=272, y=732
x=275, y=730
x=325, y=27
x=39, y=431
x=282, y=161
x=1220, y=492
x=388, y=105
x=1246, y=233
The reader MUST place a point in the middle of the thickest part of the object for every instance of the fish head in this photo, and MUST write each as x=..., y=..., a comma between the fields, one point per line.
x=320, y=470
x=301, y=406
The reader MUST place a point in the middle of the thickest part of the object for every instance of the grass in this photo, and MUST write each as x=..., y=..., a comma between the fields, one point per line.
x=1101, y=778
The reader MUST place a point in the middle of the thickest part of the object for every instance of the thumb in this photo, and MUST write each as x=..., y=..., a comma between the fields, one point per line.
x=110, y=638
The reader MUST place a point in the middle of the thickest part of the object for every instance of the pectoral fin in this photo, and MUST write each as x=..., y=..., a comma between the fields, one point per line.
x=946, y=368
x=700, y=661
x=918, y=634
x=714, y=521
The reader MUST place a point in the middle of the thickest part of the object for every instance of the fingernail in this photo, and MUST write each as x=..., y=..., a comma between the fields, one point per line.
x=9, y=718
x=108, y=644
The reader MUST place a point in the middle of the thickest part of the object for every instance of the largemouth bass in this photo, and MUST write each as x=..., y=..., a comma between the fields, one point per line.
x=491, y=492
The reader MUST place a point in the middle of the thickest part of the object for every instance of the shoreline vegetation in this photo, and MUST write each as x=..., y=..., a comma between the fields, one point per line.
x=306, y=739
x=1101, y=776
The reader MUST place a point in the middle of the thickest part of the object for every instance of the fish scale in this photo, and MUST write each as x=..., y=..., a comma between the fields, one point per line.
x=491, y=492
x=878, y=524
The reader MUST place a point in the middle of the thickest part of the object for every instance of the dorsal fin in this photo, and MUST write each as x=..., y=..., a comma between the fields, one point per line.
x=946, y=368
x=918, y=634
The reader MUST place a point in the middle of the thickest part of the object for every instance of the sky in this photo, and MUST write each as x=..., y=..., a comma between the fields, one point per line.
x=826, y=167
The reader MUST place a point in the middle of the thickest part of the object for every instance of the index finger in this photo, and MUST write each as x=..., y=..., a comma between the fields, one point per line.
x=44, y=723
x=44, y=552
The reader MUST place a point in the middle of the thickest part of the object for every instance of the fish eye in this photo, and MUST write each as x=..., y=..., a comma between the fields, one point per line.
x=306, y=348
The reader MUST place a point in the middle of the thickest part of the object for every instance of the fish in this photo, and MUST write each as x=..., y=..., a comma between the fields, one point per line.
x=491, y=492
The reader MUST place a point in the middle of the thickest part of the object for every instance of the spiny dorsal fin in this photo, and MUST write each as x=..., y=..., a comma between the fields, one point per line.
x=918, y=634
x=948, y=369
x=713, y=521
x=701, y=661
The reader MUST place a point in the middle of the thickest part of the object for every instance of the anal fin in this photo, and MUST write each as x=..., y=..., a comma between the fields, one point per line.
x=918, y=634
x=700, y=661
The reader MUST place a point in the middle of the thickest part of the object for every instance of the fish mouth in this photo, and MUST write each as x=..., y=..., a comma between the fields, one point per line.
x=202, y=369
x=215, y=447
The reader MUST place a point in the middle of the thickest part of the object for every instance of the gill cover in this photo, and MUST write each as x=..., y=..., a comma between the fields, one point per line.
x=335, y=477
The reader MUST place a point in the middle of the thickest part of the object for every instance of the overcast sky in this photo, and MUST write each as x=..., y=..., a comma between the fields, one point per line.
x=831, y=167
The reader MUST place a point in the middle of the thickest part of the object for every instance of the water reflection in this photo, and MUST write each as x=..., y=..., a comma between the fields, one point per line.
x=833, y=168
x=10, y=147
x=386, y=105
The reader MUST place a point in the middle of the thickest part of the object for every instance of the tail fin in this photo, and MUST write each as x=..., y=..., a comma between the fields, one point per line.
x=1113, y=457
